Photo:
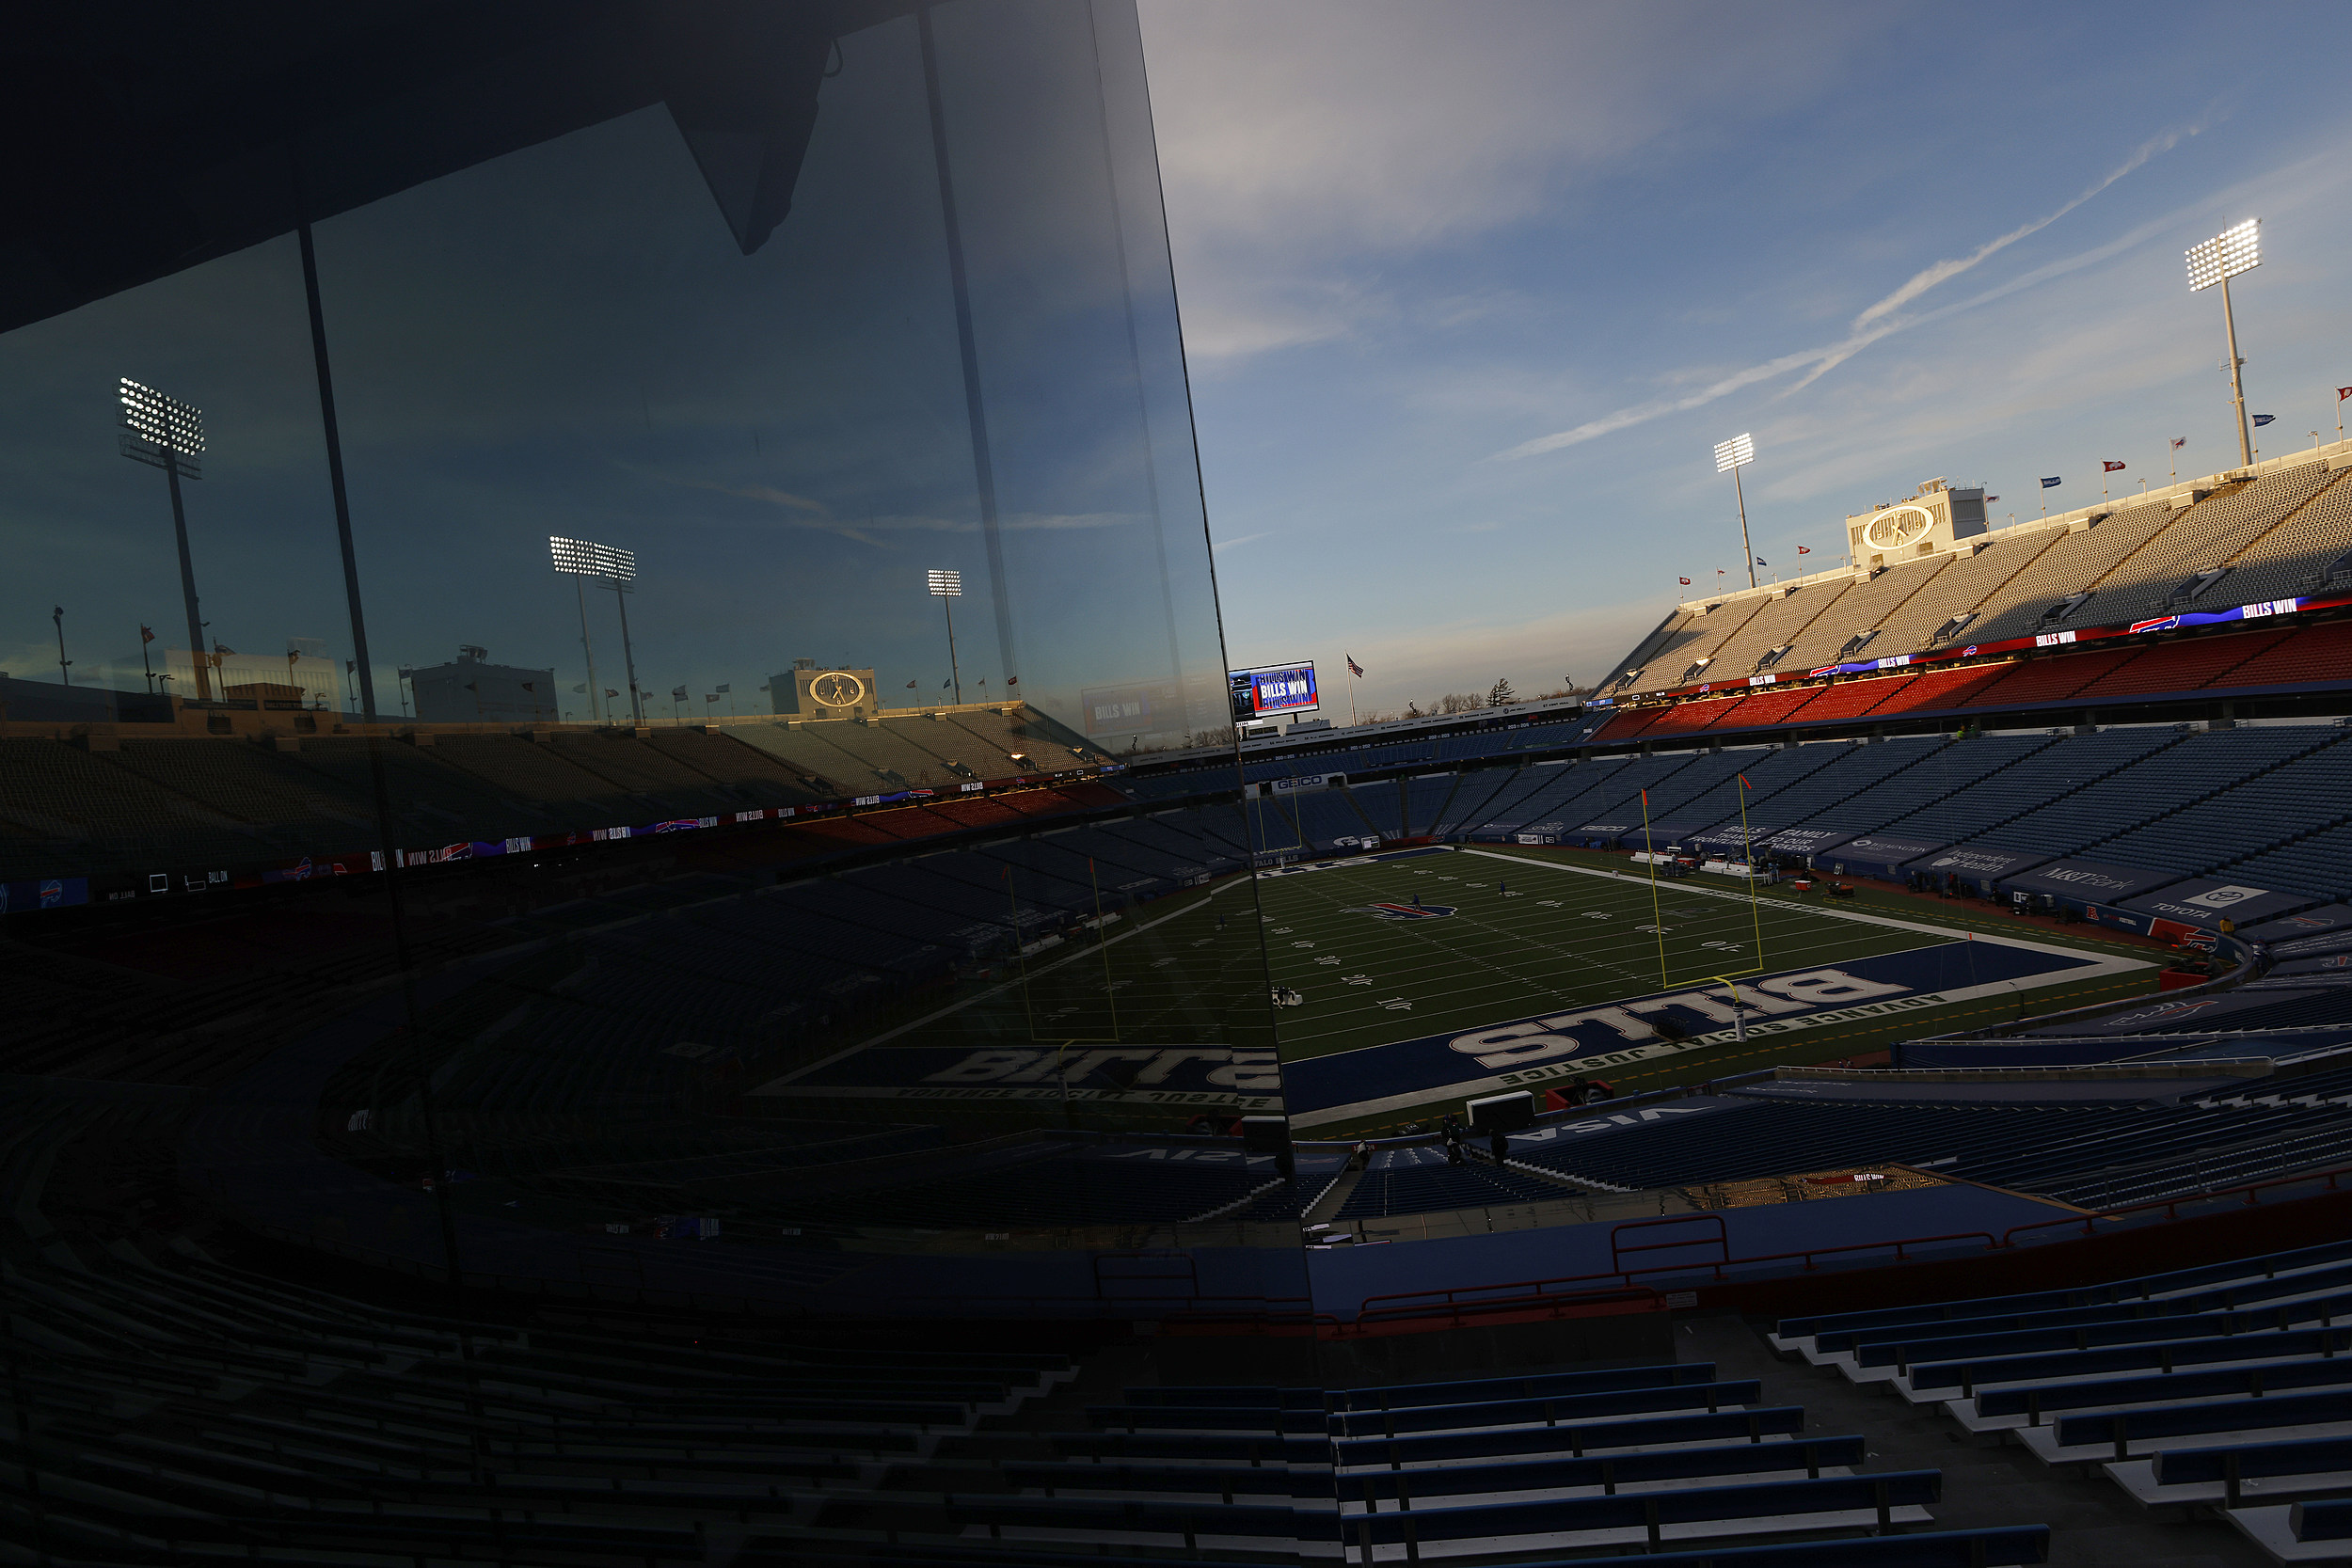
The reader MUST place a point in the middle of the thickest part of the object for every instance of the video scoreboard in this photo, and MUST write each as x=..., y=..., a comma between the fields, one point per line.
x=1272, y=692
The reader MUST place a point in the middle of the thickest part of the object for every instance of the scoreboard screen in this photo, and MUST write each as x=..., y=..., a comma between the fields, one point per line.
x=1272, y=690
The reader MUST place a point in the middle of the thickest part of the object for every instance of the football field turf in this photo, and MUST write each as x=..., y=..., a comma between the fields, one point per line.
x=1427, y=976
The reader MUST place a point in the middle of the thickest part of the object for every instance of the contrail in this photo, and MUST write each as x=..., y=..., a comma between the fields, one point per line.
x=1922, y=281
x=1878, y=321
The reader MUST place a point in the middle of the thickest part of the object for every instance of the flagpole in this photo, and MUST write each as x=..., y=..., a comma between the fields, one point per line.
x=1351, y=694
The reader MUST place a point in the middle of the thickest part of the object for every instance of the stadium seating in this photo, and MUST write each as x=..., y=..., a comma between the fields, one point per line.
x=1419, y=1181
x=1573, y=1461
x=2093, y=1154
x=2223, y=1385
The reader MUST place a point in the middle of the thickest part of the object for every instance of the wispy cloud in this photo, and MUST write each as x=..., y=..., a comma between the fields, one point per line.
x=1927, y=278
x=1220, y=545
x=1880, y=321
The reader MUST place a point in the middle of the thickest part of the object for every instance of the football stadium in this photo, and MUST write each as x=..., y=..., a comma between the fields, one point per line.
x=1865, y=1084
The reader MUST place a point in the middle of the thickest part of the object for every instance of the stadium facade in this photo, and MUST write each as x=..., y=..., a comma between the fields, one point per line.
x=629, y=1102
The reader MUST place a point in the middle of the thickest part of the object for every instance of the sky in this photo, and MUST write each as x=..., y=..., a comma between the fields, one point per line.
x=1471, y=291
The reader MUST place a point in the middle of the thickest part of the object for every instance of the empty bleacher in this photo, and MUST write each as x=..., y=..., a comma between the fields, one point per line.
x=2224, y=1389
x=1420, y=1180
x=2100, y=1154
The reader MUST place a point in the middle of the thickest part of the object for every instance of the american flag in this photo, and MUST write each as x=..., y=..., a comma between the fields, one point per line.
x=1356, y=669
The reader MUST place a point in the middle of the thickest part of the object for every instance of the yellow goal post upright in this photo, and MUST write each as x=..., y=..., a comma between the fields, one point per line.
x=1658, y=917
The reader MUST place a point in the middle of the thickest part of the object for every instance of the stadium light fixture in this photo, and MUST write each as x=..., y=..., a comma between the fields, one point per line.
x=2216, y=262
x=164, y=433
x=582, y=559
x=1732, y=456
x=947, y=587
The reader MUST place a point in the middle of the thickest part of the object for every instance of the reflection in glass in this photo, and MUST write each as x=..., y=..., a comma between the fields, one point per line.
x=777, y=933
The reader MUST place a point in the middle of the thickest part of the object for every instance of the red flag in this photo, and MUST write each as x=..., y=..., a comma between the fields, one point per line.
x=1012, y=680
x=2111, y=468
x=1744, y=779
x=1805, y=549
x=1685, y=581
x=2343, y=392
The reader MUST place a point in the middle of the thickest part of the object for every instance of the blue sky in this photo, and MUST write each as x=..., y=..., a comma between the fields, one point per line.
x=1471, y=291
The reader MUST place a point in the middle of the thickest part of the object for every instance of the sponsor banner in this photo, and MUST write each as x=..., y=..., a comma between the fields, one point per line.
x=1175, y=1075
x=2088, y=882
x=2205, y=902
x=1308, y=782
x=44, y=893
x=1873, y=855
x=2260, y=611
x=1603, y=1120
x=2309, y=922
x=1976, y=865
x=1805, y=841
x=2335, y=963
x=1657, y=836
x=2193, y=1014
x=1535, y=1053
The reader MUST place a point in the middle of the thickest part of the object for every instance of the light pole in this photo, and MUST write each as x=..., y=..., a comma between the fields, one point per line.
x=164, y=433
x=616, y=569
x=1736, y=454
x=2217, y=260
x=947, y=587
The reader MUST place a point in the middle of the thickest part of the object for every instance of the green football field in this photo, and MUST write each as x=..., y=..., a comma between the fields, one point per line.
x=1529, y=932
x=1520, y=940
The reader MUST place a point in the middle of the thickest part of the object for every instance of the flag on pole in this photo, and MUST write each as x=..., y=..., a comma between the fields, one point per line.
x=2107, y=467
x=1761, y=562
x=725, y=689
x=1012, y=680
x=609, y=693
x=679, y=693
x=147, y=633
x=1685, y=581
x=2262, y=420
x=1805, y=549
x=2051, y=482
x=2180, y=441
x=910, y=686
x=2343, y=392
x=1744, y=782
x=1356, y=669
x=946, y=683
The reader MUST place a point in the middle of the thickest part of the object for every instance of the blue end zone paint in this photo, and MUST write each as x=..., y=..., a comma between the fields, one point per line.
x=1530, y=1052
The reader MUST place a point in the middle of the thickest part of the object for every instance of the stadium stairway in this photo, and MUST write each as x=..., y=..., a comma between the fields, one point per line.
x=1672, y=1461
x=2222, y=1391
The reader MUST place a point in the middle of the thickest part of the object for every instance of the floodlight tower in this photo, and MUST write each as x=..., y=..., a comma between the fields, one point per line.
x=1736, y=454
x=947, y=587
x=2217, y=260
x=164, y=433
x=616, y=570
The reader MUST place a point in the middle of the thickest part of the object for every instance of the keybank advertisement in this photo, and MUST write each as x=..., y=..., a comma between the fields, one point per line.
x=1536, y=1053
